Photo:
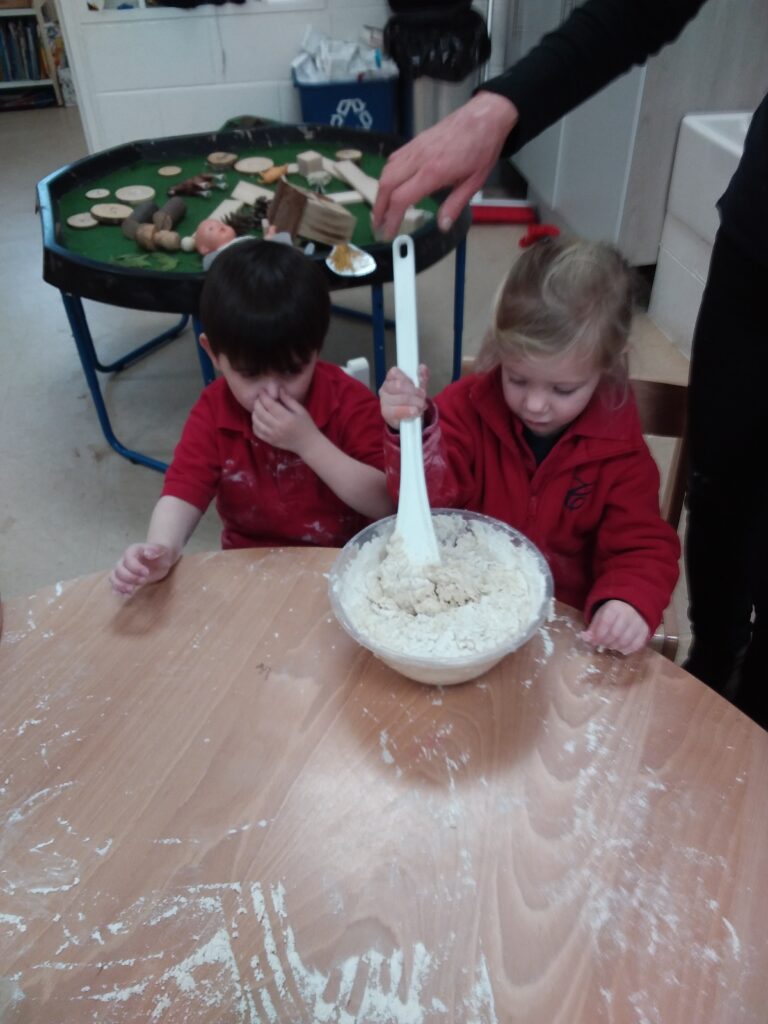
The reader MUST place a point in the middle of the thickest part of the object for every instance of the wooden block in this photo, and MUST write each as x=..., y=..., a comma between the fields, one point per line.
x=142, y=214
x=346, y=198
x=330, y=167
x=287, y=207
x=168, y=241
x=169, y=214
x=300, y=212
x=324, y=221
x=367, y=186
x=309, y=161
x=224, y=209
x=412, y=219
x=248, y=193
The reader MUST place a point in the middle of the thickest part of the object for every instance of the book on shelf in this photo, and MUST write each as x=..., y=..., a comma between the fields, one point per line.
x=21, y=55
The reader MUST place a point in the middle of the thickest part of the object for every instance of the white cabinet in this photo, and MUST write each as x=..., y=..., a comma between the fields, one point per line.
x=708, y=151
x=153, y=72
x=603, y=171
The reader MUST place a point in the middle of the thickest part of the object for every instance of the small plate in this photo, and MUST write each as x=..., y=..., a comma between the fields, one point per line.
x=350, y=261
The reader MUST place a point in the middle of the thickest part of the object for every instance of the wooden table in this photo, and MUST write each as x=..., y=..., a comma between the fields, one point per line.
x=216, y=807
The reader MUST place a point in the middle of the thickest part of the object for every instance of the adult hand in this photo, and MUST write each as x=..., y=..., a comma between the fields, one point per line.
x=282, y=422
x=141, y=564
x=461, y=151
x=400, y=398
x=618, y=626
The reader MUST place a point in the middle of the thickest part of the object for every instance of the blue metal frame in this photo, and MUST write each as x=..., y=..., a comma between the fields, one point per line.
x=91, y=364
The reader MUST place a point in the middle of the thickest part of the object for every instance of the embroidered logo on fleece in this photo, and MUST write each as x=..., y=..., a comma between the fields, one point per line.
x=576, y=496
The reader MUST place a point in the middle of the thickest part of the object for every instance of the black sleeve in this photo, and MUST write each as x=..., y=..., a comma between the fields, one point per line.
x=599, y=41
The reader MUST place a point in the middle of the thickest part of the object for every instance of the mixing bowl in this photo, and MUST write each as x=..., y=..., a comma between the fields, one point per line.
x=435, y=669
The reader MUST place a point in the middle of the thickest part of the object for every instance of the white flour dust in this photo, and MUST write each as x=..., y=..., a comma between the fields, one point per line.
x=229, y=952
x=486, y=591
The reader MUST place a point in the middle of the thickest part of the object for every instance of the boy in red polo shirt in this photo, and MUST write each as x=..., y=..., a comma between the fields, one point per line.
x=290, y=446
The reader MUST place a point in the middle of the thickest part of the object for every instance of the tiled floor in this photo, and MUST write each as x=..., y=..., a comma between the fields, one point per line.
x=68, y=503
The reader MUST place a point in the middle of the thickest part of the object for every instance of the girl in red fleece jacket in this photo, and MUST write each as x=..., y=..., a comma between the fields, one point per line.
x=547, y=438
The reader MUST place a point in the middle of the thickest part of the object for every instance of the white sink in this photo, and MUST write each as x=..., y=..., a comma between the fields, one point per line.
x=709, y=148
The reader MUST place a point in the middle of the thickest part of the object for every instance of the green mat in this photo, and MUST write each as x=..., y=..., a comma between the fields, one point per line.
x=106, y=243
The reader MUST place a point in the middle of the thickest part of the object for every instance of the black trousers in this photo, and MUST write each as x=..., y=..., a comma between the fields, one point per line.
x=727, y=539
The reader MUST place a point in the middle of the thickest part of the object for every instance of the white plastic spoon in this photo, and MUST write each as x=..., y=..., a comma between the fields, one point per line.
x=414, y=519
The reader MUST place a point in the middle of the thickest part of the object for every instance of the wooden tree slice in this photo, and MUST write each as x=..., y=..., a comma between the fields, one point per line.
x=134, y=194
x=82, y=220
x=254, y=164
x=111, y=213
x=221, y=160
x=97, y=193
x=169, y=171
x=355, y=155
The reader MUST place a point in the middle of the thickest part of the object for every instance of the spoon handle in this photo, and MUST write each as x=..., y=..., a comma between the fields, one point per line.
x=414, y=518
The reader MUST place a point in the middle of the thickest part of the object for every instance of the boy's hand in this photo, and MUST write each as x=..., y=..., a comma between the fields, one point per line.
x=282, y=422
x=400, y=398
x=618, y=626
x=141, y=563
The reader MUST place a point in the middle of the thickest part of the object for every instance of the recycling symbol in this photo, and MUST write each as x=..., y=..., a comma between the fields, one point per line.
x=348, y=110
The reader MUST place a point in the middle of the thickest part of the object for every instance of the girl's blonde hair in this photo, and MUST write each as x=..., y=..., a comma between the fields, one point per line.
x=563, y=293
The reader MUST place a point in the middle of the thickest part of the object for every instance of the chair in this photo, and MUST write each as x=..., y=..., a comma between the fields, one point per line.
x=663, y=413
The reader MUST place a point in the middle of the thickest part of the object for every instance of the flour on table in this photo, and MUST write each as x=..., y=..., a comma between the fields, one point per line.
x=485, y=591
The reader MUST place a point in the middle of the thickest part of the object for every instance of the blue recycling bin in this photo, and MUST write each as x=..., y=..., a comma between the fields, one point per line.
x=369, y=104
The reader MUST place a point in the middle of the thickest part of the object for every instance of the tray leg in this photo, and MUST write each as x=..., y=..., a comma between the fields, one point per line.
x=206, y=366
x=87, y=353
x=458, y=305
x=380, y=325
x=143, y=350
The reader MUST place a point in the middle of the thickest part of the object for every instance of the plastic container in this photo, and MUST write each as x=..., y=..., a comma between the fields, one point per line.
x=369, y=104
x=433, y=670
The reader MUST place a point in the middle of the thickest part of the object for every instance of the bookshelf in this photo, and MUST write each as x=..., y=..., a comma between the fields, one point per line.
x=26, y=61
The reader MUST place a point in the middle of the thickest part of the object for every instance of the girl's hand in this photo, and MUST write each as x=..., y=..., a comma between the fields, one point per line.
x=400, y=398
x=141, y=564
x=618, y=626
x=283, y=422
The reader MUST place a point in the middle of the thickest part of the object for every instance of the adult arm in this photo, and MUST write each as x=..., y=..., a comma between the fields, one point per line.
x=599, y=41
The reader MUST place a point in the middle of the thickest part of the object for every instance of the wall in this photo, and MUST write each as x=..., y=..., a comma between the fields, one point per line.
x=604, y=170
x=163, y=71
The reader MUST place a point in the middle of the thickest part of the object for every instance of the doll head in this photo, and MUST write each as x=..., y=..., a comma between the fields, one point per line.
x=212, y=234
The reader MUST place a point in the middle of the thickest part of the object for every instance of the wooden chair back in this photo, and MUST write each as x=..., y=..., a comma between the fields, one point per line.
x=663, y=413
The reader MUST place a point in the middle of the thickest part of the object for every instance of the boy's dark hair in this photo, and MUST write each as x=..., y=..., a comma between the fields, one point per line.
x=265, y=306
